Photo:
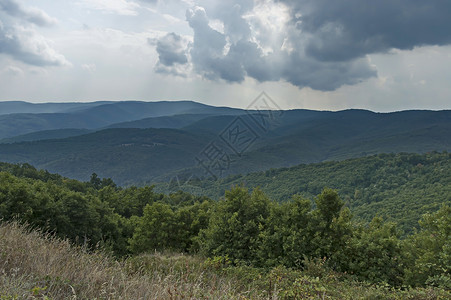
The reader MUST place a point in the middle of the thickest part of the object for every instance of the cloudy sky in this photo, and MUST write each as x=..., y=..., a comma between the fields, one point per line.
x=381, y=55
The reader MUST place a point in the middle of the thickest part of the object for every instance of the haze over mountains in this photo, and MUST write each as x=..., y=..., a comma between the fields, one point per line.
x=141, y=142
x=17, y=118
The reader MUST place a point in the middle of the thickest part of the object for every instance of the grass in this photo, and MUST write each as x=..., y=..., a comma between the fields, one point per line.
x=35, y=265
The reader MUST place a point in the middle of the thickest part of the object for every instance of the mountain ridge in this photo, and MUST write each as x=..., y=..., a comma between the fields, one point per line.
x=95, y=115
x=290, y=138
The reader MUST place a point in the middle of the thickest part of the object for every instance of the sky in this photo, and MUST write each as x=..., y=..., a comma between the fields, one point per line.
x=384, y=55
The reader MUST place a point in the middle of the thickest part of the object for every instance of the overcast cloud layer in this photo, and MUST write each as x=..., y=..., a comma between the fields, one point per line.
x=329, y=51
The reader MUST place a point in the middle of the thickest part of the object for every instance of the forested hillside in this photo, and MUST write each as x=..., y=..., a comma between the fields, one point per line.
x=399, y=187
x=246, y=228
x=124, y=154
x=174, y=145
x=45, y=135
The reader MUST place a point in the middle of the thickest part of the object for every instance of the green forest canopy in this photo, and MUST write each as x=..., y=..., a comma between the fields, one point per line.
x=399, y=187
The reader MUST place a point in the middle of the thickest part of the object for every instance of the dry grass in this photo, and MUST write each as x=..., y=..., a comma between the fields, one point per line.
x=34, y=265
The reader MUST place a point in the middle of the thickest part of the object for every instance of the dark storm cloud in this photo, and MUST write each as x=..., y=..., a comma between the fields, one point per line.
x=230, y=55
x=325, y=76
x=233, y=55
x=231, y=14
x=347, y=29
x=207, y=53
x=323, y=44
x=32, y=15
x=171, y=50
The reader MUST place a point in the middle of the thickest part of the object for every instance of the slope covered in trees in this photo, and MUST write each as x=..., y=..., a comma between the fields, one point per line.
x=131, y=156
x=45, y=135
x=125, y=154
x=399, y=187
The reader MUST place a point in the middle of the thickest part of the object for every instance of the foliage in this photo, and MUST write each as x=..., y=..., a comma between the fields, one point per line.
x=429, y=251
x=235, y=225
x=243, y=232
x=374, y=253
x=398, y=187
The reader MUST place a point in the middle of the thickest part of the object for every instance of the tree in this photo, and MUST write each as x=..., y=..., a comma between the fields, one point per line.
x=374, y=253
x=156, y=229
x=236, y=224
x=428, y=251
x=95, y=181
x=286, y=239
x=330, y=227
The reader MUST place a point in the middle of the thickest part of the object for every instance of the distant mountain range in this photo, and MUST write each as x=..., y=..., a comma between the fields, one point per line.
x=18, y=118
x=140, y=142
x=22, y=107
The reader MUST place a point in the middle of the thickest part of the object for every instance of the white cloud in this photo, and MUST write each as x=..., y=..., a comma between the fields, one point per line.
x=20, y=39
x=268, y=22
x=27, y=45
x=30, y=14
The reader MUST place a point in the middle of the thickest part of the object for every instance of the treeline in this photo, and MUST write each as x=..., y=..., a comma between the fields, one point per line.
x=244, y=228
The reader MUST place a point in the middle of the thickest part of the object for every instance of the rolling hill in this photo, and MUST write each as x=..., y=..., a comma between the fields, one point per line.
x=123, y=154
x=22, y=118
x=398, y=187
x=139, y=156
x=45, y=135
x=175, y=121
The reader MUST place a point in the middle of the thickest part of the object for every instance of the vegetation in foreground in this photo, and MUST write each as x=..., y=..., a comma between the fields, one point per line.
x=257, y=247
x=35, y=265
